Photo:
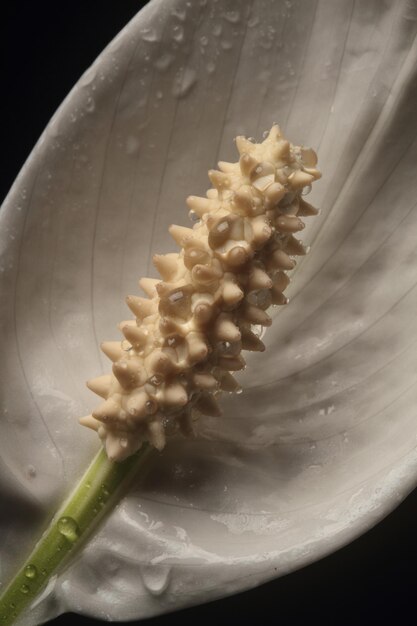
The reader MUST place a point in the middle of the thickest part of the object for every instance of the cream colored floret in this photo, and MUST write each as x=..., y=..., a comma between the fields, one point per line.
x=188, y=334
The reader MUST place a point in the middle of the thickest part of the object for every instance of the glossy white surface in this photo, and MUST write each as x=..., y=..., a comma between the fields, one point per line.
x=322, y=443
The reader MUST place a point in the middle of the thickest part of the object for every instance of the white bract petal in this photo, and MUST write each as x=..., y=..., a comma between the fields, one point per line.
x=323, y=437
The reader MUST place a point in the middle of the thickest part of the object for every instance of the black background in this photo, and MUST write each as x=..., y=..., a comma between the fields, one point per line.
x=45, y=49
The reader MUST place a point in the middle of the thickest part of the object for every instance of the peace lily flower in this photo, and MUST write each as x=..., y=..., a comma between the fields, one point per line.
x=322, y=443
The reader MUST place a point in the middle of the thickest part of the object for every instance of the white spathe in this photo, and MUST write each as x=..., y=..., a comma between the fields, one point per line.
x=322, y=443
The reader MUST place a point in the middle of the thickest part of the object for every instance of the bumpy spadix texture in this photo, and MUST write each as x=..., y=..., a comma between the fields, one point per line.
x=188, y=334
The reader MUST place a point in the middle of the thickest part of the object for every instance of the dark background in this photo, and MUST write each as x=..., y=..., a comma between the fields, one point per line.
x=45, y=49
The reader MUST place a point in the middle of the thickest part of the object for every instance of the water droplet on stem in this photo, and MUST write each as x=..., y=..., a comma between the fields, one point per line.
x=68, y=527
x=31, y=571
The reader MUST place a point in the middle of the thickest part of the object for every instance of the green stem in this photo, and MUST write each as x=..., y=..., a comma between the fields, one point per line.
x=94, y=495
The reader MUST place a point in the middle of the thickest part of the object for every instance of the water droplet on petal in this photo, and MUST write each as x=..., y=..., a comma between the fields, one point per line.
x=149, y=35
x=132, y=145
x=232, y=16
x=31, y=471
x=217, y=30
x=226, y=45
x=155, y=578
x=90, y=104
x=210, y=67
x=184, y=82
x=178, y=33
x=164, y=62
x=88, y=77
x=180, y=13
